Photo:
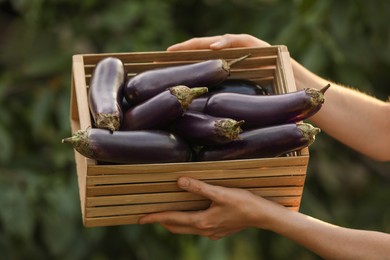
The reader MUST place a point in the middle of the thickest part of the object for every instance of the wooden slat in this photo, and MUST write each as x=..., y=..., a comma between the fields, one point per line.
x=182, y=205
x=181, y=196
x=81, y=92
x=235, y=74
x=197, y=166
x=137, y=67
x=191, y=55
x=141, y=188
x=146, y=208
x=206, y=175
x=79, y=119
x=126, y=219
x=285, y=62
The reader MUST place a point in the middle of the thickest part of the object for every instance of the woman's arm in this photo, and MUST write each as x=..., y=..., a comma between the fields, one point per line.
x=327, y=240
x=354, y=118
x=235, y=209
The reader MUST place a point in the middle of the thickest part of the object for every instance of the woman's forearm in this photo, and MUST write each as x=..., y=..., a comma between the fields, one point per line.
x=350, y=116
x=327, y=240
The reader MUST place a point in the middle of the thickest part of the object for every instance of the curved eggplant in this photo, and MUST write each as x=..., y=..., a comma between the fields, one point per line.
x=152, y=82
x=202, y=129
x=242, y=86
x=129, y=147
x=160, y=109
x=105, y=93
x=269, y=141
x=261, y=111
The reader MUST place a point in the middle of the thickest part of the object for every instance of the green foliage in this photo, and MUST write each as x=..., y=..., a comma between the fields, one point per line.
x=346, y=41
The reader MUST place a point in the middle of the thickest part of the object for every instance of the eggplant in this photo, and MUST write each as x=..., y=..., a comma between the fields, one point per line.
x=130, y=147
x=160, y=109
x=242, y=86
x=105, y=93
x=263, y=142
x=149, y=83
x=260, y=111
x=201, y=129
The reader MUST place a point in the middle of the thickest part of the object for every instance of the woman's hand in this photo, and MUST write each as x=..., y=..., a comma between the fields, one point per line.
x=219, y=42
x=231, y=210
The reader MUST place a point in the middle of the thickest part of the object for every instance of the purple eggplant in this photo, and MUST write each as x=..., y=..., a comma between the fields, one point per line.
x=269, y=141
x=105, y=93
x=260, y=111
x=201, y=129
x=242, y=86
x=130, y=147
x=160, y=109
x=152, y=82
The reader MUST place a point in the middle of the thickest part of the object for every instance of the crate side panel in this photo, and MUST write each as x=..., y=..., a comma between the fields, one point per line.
x=81, y=168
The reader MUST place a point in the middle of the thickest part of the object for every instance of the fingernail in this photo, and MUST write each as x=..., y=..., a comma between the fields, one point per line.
x=183, y=183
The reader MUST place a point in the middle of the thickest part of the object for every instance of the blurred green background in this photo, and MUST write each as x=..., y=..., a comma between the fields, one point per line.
x=346, y=41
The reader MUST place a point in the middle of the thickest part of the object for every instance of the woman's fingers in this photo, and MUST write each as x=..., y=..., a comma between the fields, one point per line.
x=169, y=217
x=194, y=44
x=219, y=42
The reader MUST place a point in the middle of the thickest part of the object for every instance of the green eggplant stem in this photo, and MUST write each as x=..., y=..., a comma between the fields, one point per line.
x=309, y=132
x=229, y=128
x=80, y=142
x=185, y=95
x=108, y=121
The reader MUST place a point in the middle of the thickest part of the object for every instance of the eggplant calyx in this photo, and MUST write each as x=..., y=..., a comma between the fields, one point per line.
x=185, y=95
x=317, y=97
x=229, y=128
x=309, y=132
x=108, y=121
x=80, y=142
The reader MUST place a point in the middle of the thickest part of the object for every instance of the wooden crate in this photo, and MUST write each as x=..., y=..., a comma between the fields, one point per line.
x=121, y=194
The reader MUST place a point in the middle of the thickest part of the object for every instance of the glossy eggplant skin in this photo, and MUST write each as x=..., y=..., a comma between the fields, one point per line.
x=149, y=83
x=130, y=147
x=260, y=111
x=262, y=142
x=161, y=109
x=241, y=86
x=153, y=113
x=201, y=129
x=105, y=93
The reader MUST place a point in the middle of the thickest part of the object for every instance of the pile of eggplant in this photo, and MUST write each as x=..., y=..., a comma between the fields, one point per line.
x=191, y=112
